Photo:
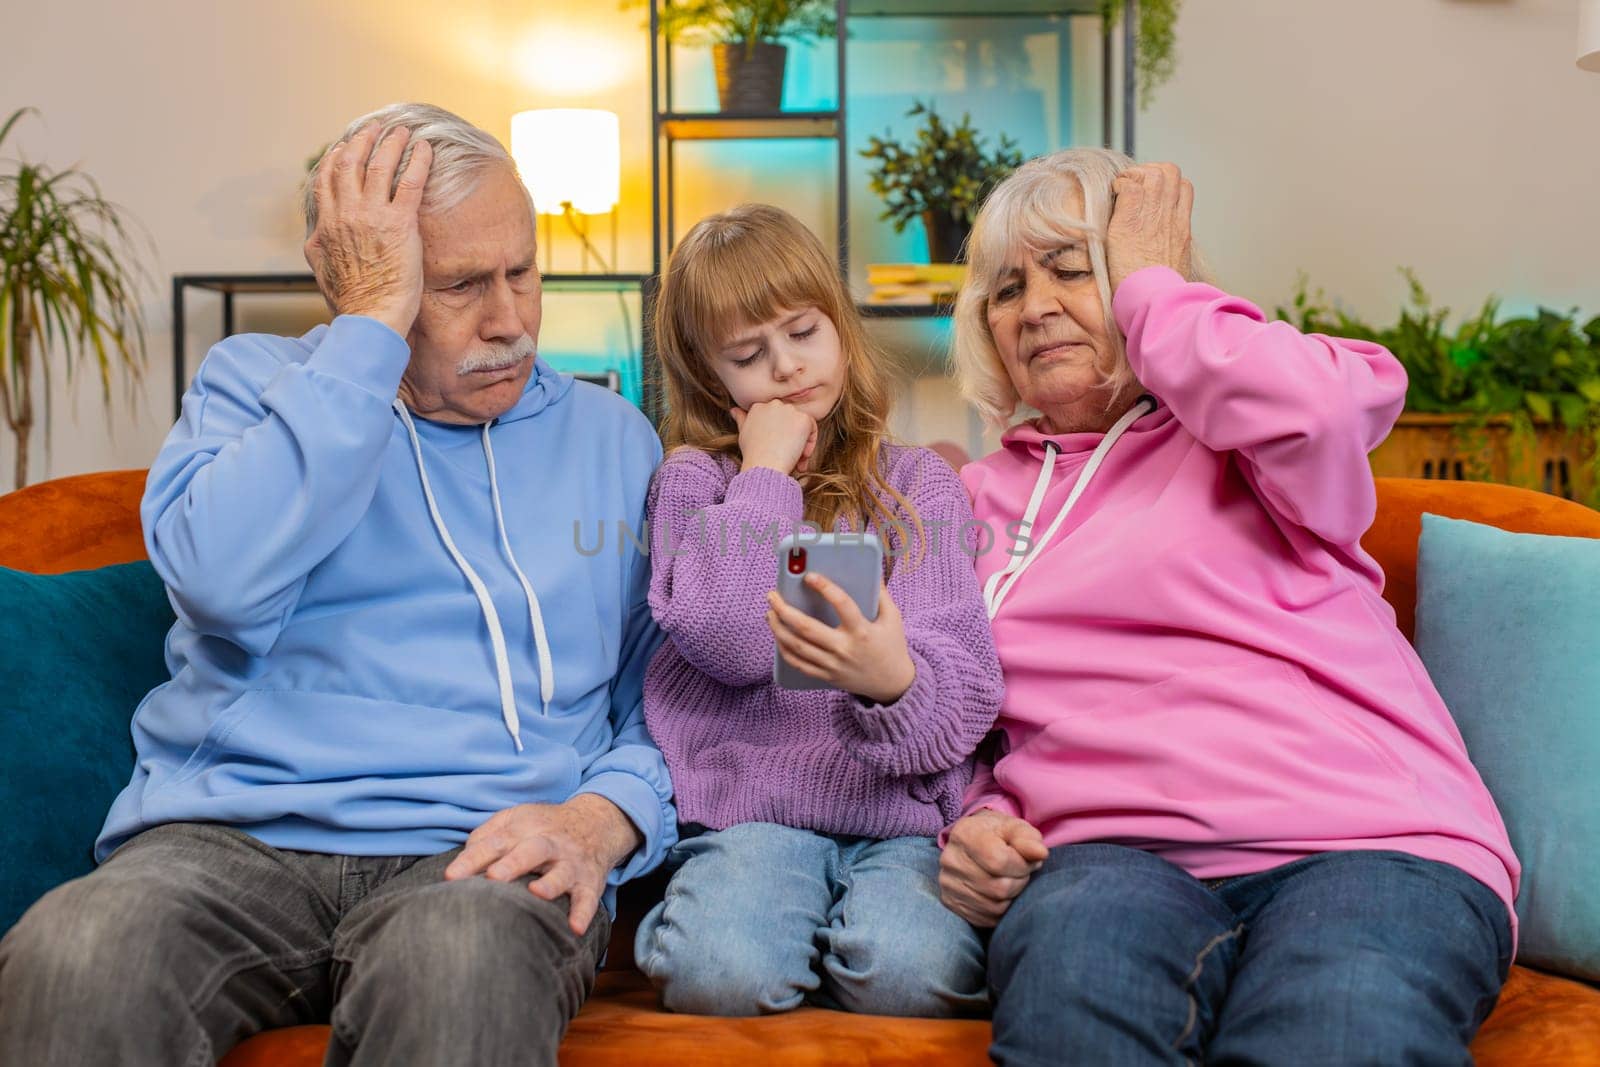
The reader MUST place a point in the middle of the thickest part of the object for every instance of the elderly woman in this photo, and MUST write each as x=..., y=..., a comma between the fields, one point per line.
x=1228, y=817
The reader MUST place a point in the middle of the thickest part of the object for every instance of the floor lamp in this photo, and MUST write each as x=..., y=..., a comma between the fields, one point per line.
x=571, y=160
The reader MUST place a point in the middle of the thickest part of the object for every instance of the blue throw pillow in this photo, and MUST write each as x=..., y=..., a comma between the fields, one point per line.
x=78, y=652
x=1508, y=625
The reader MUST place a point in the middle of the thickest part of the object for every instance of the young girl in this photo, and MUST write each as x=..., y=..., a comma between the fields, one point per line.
x=807, y=867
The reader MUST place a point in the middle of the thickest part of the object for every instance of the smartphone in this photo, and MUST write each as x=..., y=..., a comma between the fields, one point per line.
x=852, y=561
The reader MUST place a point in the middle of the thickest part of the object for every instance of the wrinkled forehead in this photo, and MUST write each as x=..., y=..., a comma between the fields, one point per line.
x=490, y=228
x=468, y=255
x=1071, y=253
x=1045, y=223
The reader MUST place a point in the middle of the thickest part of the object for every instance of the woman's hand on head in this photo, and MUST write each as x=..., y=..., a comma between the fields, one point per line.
x=1149, y=222
x=775, y=434
x=986, y=863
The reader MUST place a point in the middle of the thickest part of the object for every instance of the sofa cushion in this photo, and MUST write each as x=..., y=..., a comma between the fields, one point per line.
x=1541, y=1021
x=1392, y=540
x=78, y=652
x=622, y=1025
x=72, y=524
x=1508, y=625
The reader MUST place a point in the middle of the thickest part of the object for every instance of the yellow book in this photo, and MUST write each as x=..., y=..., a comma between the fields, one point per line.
x=909, y=273
x=891, y=273
x=933, y=289
x=912, y=297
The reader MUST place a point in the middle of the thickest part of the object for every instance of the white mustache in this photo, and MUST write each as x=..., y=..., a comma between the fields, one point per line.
x=496, y=356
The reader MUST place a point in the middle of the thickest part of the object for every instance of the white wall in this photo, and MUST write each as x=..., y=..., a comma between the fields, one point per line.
x=1339, y=137
x=1349, y=137
x=198, y=115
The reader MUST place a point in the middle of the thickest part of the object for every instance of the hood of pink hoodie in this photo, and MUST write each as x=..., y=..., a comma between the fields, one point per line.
x=1026, y=439
x=1200, y=662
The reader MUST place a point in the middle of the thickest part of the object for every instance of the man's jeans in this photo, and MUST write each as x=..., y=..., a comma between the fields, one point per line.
x=759, y=918
x=1112, y=955
x=192, y=937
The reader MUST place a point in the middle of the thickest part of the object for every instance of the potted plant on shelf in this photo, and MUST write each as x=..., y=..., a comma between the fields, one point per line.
x=68, y=281
x=1514, y=401
x=940, y=178
x=746, y=42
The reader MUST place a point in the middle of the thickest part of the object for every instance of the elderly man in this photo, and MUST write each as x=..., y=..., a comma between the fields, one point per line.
x=401, y=761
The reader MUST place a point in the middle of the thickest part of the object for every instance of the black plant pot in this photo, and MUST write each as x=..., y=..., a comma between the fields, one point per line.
x=750, y=77
x=947, y=236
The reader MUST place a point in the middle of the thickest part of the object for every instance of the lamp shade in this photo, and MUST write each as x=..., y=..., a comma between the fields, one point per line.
x=569, y=156
x=1589, y=35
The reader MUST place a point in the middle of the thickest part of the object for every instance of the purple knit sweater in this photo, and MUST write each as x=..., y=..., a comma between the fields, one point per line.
x=741, y=749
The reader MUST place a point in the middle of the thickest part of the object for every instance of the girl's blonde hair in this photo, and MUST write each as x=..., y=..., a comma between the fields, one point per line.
x=746, y=267
x=1027, y=214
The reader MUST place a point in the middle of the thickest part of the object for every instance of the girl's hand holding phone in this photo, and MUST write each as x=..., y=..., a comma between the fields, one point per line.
x=775, y=434
x=869, y=659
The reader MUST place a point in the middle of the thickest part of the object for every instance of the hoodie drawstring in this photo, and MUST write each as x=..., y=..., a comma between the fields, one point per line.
x=502, y=662
x=541, y=643
x=999, y=584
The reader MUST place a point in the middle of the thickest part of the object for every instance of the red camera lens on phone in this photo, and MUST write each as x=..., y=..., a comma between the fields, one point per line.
x=797, y=561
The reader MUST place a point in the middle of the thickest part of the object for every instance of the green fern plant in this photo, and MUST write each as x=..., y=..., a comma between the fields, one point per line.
x=1526, y=372
x=1155, y=41
x=748, y=22
x=69, y=282
x=946, y=169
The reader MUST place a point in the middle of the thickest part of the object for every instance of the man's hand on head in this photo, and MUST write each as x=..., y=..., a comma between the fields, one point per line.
x=366, y=250
x=571, y=847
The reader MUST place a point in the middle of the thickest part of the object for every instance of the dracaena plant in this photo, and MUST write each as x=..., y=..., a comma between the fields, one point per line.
x=69, y=284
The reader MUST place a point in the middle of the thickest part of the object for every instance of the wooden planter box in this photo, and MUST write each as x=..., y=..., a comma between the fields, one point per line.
x=1450, y=447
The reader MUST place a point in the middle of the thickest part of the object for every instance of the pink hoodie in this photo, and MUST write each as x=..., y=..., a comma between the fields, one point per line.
x=1199, y=663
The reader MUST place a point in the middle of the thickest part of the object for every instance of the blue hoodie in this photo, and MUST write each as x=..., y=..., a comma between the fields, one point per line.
x=366, y=660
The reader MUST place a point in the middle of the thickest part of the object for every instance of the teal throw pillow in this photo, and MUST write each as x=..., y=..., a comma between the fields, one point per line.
x=1508, y=625
x=78, y=652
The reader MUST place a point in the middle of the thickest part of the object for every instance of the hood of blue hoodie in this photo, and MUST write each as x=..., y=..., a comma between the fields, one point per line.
x=545, y=386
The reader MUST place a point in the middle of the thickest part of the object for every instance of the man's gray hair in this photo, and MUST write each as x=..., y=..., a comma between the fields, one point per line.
x=462, y=154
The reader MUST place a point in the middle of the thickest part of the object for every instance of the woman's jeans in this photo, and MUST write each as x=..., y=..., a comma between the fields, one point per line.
x=759, y=918
x=1113, y=955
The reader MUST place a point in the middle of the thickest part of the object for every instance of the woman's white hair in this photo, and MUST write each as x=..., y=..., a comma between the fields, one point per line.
x=462, y=154
x=1026, y=216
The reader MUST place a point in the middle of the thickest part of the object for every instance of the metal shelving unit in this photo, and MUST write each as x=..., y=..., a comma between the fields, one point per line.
x=670, y=128
x=232, y=285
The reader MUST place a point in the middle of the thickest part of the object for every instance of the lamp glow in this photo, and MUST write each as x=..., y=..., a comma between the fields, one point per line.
x=569, y=156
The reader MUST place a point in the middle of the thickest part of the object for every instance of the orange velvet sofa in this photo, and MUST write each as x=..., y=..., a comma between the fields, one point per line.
x=1541, y=1020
